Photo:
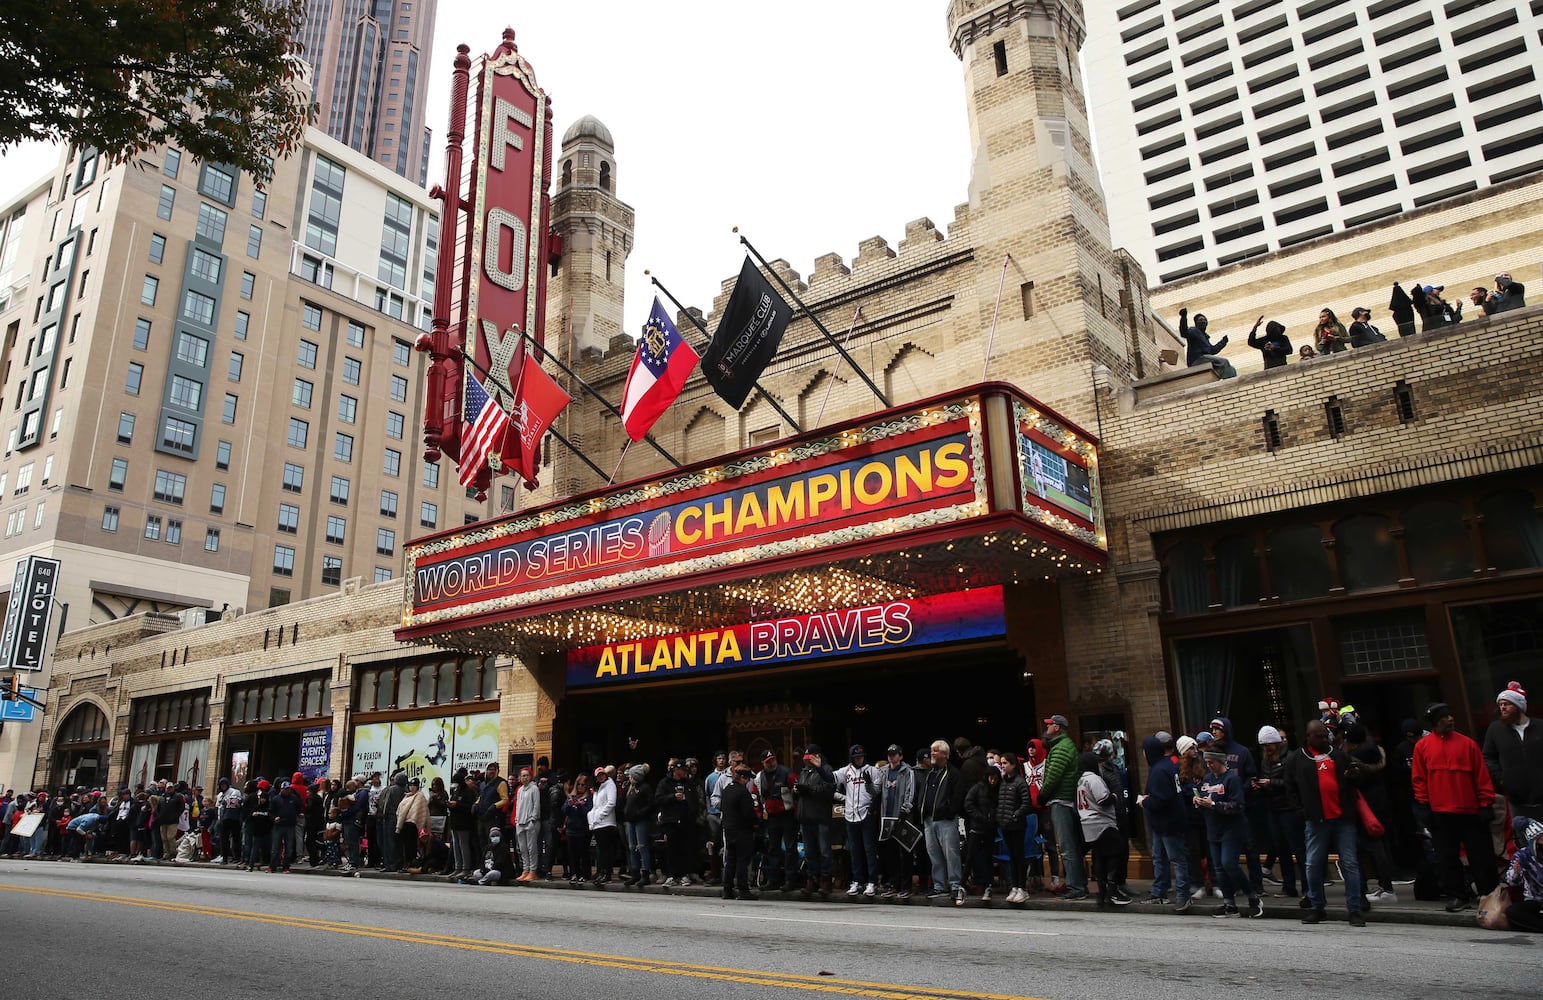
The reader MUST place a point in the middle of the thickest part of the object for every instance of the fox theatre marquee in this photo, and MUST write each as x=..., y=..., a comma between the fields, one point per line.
x=932, y=526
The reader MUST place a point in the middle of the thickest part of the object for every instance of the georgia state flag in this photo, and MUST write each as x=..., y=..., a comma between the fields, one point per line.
x=659, y=372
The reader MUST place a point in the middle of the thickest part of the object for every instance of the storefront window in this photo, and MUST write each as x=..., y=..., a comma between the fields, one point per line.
x=471, y=679
x=281, y=702
x=1299, y=564
x=367, y=682
x=1367, y=556
x=1384, y=642
x=1513, y=532
x=313, y=692
x=383, y=693
x=1498, y=643
x=446, y=684
x=265, y=714
x=1189, y=591
x=405, y=683
x=1237, y=571
x=1268, y=677
x=426, y=678
x=489, y=680
x=1438, y=542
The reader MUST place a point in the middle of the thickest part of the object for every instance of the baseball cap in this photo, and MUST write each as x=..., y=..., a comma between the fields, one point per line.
x=812, y=750
x=857, y=751
x=1059, y=720
x=893, y=748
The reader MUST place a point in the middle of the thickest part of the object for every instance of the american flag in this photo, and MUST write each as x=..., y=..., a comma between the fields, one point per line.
x=486, y=423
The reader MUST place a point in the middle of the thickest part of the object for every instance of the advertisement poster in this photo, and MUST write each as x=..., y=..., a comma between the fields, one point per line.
x=316, y=752
x=476, y=742
x=422, y=749
x=240, y=765
x=372, y=749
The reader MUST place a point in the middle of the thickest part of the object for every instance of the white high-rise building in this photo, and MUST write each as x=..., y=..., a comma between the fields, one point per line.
x=1229, y=130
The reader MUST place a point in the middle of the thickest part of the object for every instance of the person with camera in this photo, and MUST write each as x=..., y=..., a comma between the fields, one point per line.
x=814, y=797
x=676, y=801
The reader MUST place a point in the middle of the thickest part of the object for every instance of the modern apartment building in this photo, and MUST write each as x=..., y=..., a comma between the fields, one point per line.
x=210, y=394
x=1226, y=131
x=370, y=68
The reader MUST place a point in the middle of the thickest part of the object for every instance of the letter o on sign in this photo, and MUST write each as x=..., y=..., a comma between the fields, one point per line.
x=499, y=220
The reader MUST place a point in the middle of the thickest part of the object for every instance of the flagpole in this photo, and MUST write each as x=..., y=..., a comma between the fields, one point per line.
x=832, y=383
x=703, y=328
x=605, y=402
x=995, y=310
x=813, y=319
x=550, y=430
x=619, y=461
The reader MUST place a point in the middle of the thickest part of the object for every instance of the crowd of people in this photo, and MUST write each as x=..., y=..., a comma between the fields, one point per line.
x=1420, y=302
x=958, y=820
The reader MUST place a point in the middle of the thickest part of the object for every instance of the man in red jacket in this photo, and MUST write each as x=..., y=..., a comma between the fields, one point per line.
x=1454, y=799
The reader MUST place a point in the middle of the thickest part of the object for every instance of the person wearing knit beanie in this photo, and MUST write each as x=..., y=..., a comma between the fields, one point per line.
x=1513, y=754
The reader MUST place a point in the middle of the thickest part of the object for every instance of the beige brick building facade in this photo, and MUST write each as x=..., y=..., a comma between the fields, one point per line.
x=1211, y=491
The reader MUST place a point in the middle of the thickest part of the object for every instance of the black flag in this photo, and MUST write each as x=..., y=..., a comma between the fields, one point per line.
x=747, y=337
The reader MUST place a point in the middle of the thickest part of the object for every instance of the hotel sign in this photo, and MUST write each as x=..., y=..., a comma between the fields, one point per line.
x=910, y=470
x=906, y=624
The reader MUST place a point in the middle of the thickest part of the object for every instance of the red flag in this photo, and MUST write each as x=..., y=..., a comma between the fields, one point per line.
x=540, y=401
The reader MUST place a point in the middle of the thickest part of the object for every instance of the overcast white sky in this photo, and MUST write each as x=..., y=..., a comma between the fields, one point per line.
x=810, y=125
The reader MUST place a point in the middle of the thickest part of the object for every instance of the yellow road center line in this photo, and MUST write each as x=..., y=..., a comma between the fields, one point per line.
x=822, y=984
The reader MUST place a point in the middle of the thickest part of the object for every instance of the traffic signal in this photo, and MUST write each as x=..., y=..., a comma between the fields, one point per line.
x=11, y=689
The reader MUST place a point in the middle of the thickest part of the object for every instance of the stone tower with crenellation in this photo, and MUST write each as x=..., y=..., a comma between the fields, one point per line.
x=1068, y=301
x=584, y=296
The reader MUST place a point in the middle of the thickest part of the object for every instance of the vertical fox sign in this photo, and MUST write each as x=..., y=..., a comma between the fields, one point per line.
x=502, y=261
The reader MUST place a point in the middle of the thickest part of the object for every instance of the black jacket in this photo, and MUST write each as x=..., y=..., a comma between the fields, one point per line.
x=980, y=808
x=672, y=809
x=1302, y=785
x=1516, y=762
x=815, y=794
x=638, y=802
x=940, y=793
x=737, y=808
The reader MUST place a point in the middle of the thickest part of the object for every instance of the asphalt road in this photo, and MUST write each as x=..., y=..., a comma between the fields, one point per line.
x=161, y=932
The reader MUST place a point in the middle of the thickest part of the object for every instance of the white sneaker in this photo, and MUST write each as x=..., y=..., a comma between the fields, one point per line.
x=218, y=861
x=1385, y=896
x=870, y=890
x=985, y=895
x=1216, y=893
x=854, y=888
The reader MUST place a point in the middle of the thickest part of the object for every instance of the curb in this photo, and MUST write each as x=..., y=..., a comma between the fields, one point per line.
x=1380, y=914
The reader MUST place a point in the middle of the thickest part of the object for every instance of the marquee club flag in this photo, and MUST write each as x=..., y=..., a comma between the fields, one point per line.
x=541, y=400
x=747, y=337
x=659, y=372
x=486, y=425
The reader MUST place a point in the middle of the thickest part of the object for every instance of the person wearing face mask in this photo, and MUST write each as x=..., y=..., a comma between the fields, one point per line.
x=1199, y=345
x=1318, y=782
x=1455, y=800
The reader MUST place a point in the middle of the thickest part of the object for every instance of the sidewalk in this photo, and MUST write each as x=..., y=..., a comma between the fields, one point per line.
x=1407, y=910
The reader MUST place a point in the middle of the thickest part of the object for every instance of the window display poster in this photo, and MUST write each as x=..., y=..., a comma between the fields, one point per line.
x=476, y=742
x=427, y=748
x=372, y=749
x=315, y=752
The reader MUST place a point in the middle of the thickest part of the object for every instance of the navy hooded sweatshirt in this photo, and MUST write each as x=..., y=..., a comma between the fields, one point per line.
x=1164, y=803
x=1238, y=757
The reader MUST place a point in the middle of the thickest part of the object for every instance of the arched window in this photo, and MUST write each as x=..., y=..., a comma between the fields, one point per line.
x=1189, y=590
x=1512, y=530
x=1299, y=564
x=1367, y=556
x=567, y=172
x=84, y=724
x=1438, y=542
x=1237, y=570
x=605, y=176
